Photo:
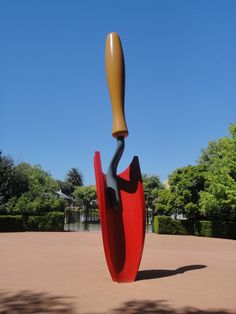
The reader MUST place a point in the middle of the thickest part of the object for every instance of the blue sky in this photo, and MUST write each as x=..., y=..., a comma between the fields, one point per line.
x=54, y=103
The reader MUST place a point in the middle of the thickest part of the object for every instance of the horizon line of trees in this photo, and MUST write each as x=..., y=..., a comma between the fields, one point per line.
x=206, y=190
x=27, y=189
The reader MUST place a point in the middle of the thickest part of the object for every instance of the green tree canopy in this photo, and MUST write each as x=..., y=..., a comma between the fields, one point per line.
x=152, y=185
x=13, y=182
x=218, y=200
x=40, y=182
x=40, y=194
x=66, y=187
x=164, y=202
x=74, y=177
x=6, y=178
x=185, y=185
x=207, y=190
x=86, y=196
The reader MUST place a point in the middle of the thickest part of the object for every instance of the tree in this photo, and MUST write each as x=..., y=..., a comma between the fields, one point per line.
x=164, y=202
x=65, y=187
x=13, y=182
x=207, y=190
x=220, y=155
x=6, y=178
x=40, y=182
x=86, y=196
x=26, y=189
x=152, y=185
x=40, y=196
x=185, y=185
x=218, y=200
x=74, y=177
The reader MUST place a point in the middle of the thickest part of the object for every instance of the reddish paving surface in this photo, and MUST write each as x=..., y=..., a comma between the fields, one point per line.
x=67, y=273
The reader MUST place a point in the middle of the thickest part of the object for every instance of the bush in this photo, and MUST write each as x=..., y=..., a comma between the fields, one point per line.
x=11, y=223
x=38, y=206
x=217, y=229
x=156, y=225
x=33, y=223
x=167, y=225
x=70, y=215
x=53, y=221
x=203, y=228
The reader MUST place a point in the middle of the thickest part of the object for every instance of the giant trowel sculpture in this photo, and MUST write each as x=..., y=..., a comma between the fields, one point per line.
x=120, y=196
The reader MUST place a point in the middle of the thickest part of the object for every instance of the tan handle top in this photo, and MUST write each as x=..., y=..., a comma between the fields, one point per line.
x=115, y=70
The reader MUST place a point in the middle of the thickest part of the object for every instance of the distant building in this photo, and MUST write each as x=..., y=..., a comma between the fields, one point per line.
x=69, y=199
x=166, y=184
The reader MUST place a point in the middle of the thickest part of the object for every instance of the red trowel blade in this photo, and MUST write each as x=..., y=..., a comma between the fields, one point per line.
x=123, y=230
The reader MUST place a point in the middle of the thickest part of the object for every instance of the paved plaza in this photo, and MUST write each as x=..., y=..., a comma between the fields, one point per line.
x=43, y=272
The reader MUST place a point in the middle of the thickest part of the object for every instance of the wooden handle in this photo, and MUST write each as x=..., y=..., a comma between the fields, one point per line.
x=115, y=70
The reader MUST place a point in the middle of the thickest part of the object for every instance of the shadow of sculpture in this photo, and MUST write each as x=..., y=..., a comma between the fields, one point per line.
x=28, y=302
x=160, y=273
x=161, y=307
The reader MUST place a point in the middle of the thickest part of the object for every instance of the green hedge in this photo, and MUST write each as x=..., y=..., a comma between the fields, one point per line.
x=167, y=225
x=156, y=224
x=11, y=223
x=217, y=229
x=52, y=221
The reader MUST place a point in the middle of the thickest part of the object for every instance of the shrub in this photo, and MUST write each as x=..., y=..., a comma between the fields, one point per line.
x=52, y=221
x=55, y=221
x=217, y=229
x=11, y=223
x=33, y=223
x=203, y=228
x=156, y=225
x=70, y=215
x=26, y=205
x=167, y=225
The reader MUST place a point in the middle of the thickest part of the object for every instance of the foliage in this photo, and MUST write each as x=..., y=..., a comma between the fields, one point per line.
x=86, y=196
x=208, y=189
x=74, y=177
x=40, y=196
x=6, y=174
x=53, y=221
x=70, y=215
x=156, y=224
x=164, y=202
x=36, y=206
x=185, y=185
x=65, y=187
x=11, y=223
x=152, y=185
x=167, y=225
x=203, y=228
x=12, y=181
x=218, y=229
x=218, y=200
x=40, y=182
x=27, y=189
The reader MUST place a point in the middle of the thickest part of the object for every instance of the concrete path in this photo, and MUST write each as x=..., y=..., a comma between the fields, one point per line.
x=67, y=273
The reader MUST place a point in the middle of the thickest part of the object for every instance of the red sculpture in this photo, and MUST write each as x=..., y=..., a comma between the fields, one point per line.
x=120, y=197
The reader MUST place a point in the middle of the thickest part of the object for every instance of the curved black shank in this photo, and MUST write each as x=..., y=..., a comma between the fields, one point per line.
x=112, y=187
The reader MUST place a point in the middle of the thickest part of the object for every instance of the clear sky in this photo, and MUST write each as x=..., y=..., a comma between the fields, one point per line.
x=54, y=103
